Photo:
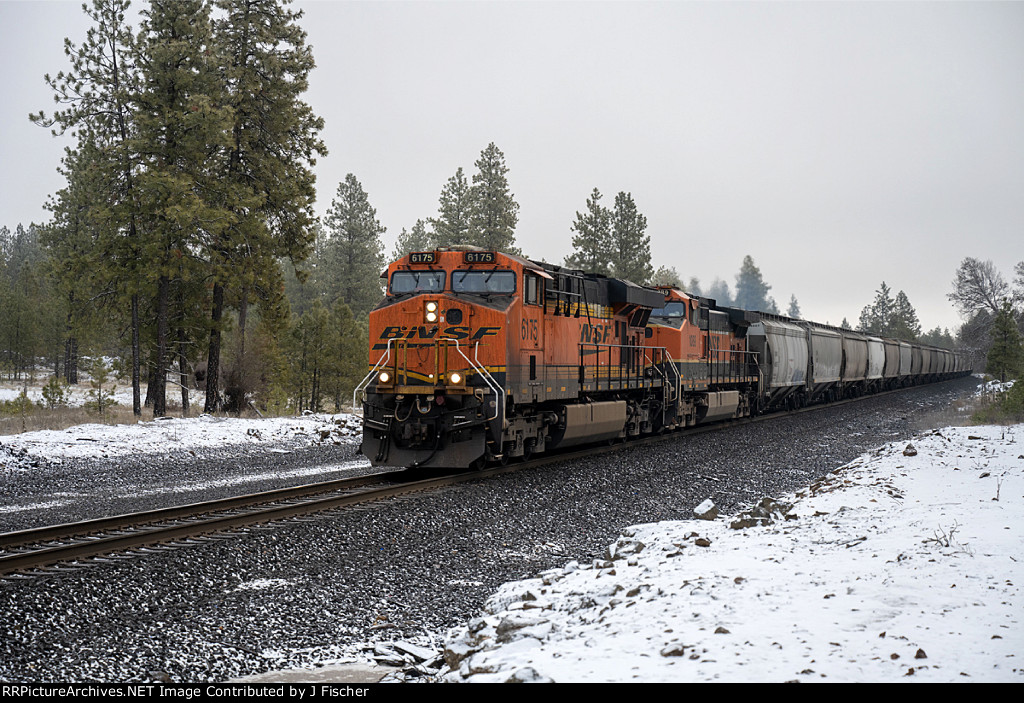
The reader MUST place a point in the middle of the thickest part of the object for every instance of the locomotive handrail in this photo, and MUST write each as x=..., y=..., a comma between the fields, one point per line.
x=488, y=379
x=666, y=357
x=366, y=380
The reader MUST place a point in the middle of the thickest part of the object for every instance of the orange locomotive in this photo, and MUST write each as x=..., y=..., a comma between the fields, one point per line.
x=481, y=356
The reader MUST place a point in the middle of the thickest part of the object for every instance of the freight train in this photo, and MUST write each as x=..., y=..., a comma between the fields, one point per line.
x=481, y=356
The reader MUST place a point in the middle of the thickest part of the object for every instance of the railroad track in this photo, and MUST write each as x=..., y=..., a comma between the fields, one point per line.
x=179, y=526
x=186, y=525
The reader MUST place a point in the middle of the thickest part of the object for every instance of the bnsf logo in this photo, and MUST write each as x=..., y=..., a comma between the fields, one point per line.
x=422, y=332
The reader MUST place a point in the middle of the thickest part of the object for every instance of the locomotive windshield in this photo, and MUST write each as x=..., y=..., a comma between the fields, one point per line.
x=484, y=281
x=417, y=282
x=670, y=310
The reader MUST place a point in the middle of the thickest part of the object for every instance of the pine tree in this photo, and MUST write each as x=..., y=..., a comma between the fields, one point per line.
x=493, y=212
x=938, y=337
x=751, y=290
x=904, y=323
x=451, y=226
x=592, y=244
x=182, y=128
x=693, y=286
x=267, y=178
x=1006, y=355
x=354, y=252
x=631, y=246
x=416, y=239
x=667, y=276
x=876, y=318
x=97, y=94
x=719, y=292
x=794, y=308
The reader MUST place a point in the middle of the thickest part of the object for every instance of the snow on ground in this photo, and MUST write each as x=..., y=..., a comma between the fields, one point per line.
x=896, y=567
x=181, y=434
x=77, y=396
x=899, y=566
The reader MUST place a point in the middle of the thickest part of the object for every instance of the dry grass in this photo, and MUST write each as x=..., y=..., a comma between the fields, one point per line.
x=62, y=418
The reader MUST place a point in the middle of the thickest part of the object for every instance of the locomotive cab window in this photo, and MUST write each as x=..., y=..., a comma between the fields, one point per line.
x=501, y=282
x=673, y=309
x=417, y=282
x=532, y=286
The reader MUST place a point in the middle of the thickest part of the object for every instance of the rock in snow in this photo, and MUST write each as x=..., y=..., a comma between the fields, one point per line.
x=802, y=598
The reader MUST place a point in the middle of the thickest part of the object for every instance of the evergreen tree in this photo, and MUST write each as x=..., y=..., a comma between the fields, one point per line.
x=667, y=276
x=416, y=239
x=493, y=212
x=592, y=244
x=938, y=337
x=1006, y=355
x=451, y=226
x=875, y=318
x=311, y=342
x=794, y=308
x=1018, y=283
x=266, y=178
x=904, y=323
x=182, y=129
x=97, y=95
x=719, y=292
x=631, y=246
x=694, y=286
x=78, y=244
x=354, y=252
x=751, y=290
x=845, y=324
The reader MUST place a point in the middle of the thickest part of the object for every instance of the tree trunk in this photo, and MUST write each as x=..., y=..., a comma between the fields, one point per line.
x=136, y=363
x=160, y=367
x=213, y=358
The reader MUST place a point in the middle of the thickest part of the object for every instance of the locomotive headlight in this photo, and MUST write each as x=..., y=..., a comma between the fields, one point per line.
x=431, y=314
x=455, y=378
x=431, y=317
x=384, y=377
x=431, y=306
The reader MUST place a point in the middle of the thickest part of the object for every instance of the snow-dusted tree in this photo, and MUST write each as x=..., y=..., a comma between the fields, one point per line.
x=1018, y=284
x=451, y=226
x=631, y=245
x=493, y=211
x=592, y=242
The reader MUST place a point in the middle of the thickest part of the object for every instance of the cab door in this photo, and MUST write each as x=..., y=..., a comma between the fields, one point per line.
x=531, y=340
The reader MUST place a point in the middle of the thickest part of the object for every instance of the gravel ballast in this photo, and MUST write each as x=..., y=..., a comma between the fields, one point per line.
x=317, y=590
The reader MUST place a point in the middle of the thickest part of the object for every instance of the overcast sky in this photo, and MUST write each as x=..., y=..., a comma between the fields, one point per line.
x=839, y=144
